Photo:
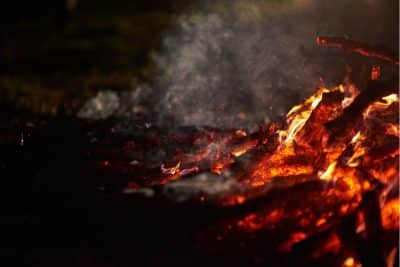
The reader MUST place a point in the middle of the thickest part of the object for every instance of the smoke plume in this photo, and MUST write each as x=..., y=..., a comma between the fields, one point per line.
x=247, y=62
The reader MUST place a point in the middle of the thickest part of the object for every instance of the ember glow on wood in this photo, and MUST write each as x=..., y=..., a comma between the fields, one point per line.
x=294, y=183
x=170, y=172
x=357, y=47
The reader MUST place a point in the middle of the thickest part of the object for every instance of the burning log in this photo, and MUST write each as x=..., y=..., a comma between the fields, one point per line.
x=297, y=197
x=357, y=47
x=341, y=126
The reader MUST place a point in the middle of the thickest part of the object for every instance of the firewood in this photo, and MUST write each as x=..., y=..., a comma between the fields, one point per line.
x=357, y=47
x=351, y=115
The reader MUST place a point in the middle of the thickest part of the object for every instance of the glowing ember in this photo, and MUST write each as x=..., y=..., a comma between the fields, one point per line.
x=351, y=262
x=347, y=168
x=303, y=151
x=337, y=150
x=391, y=214
x=173, y=170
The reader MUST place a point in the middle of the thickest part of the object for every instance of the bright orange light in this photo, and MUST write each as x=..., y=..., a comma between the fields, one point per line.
x=173, y=170
x=391, y=214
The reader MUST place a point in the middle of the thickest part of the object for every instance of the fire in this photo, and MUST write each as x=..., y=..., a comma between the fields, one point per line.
x=303, y=151
x=375, y=72
x=359, y=149
x=305, y=178
x=383, y=104
x=351, y=262
x=392, y=98
x=328, y=174
x=303, y=148
x=298, y=116
x=217, y=168
x=237, y=152
x=296, y=237
x=173, y=170
x=318, y=174
x=391, y=214
x=393, y=129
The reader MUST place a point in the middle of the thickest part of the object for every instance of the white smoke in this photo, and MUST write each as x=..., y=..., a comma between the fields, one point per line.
x=239, y=63
x=250, y=61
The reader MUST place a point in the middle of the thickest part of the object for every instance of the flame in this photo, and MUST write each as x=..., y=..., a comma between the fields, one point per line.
x=238, y=151
x=390, y=214
x=384, y=103
x=332, y=246
x=356, y=137
x=241, y=133
x=393, y=129
x=391, y=99
x=351, y=262
x=338, y=174
x=352, y=90
x=359, y=149
x=217, y=168
x=295, y=237
x=300, y=151
x=171, y=171
x=328, y=174
x=298, y=116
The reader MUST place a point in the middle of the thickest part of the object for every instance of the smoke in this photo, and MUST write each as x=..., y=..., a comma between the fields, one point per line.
x=247, y=62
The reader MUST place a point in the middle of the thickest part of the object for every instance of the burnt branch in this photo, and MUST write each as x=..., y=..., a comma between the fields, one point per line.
x=340, y=127
x=357, y=47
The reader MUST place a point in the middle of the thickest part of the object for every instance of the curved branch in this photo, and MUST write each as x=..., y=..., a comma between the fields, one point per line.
x=357, y=47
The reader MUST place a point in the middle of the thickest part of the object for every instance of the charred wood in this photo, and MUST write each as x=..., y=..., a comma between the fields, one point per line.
x=357, y=47
x=340, y=127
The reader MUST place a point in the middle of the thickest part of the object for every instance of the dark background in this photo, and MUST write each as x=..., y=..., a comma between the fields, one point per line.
x=50, y=55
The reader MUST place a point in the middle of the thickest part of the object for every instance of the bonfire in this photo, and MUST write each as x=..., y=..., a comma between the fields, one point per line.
x=322, y=187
